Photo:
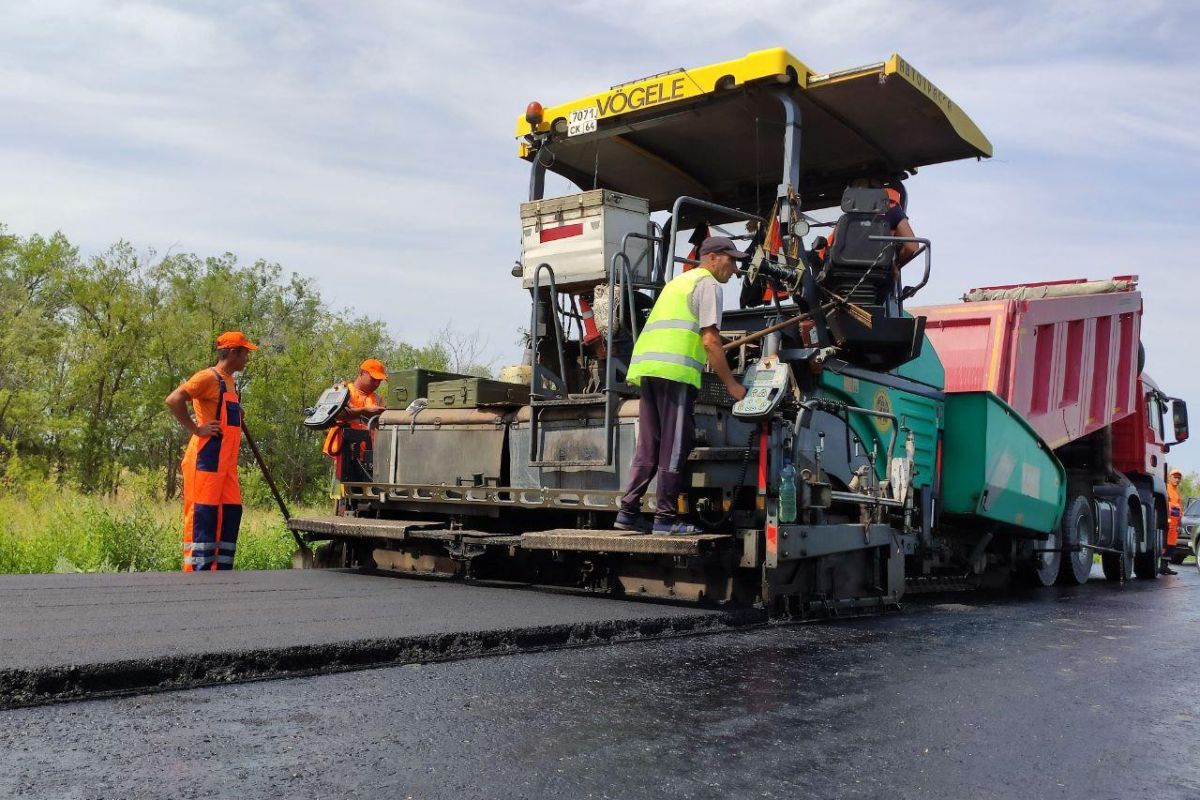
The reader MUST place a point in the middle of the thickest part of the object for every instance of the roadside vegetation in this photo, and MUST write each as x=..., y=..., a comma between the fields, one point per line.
x=73, y=532
x=89, y=347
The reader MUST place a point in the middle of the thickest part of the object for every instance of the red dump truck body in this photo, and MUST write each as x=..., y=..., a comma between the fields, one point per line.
x=1063, y=354
x=1139, y=439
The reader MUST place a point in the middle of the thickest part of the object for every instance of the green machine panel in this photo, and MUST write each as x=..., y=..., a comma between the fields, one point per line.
x=996, y=467
x=921, y=415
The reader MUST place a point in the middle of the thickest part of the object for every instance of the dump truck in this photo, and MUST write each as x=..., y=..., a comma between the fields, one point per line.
x=1066, y=356
x=919, y=463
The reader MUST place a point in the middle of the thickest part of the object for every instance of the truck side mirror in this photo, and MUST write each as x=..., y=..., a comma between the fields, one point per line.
x=1179, y=419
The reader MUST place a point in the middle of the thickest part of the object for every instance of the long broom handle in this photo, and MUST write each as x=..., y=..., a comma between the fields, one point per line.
x=754, y=337
x=266, y=473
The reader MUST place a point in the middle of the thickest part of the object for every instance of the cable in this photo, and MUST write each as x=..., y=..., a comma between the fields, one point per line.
x=741, y=481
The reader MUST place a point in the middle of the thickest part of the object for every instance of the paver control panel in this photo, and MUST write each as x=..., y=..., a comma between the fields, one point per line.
x=766, y=385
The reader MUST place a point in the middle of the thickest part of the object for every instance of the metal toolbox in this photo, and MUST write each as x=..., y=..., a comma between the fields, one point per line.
x=578, y=236
x=474, y=392
x=409, y=384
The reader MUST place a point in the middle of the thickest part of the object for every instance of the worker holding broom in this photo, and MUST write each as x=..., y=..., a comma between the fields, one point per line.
x=212, y=498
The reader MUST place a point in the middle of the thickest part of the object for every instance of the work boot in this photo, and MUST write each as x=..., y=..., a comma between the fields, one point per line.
x=1166, y=569
x=676, y=528
x=634, y=523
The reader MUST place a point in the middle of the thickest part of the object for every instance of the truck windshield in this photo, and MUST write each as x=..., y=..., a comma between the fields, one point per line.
x=1193, y=508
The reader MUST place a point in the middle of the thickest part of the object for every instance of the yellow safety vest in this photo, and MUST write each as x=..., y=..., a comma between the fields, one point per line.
x=670, y=345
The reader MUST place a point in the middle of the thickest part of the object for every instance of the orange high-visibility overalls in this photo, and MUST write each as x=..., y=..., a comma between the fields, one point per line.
x=212, y=498
x=1174, y=515
x=334, y=446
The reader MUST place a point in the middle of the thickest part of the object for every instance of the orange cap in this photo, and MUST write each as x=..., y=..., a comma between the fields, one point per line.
x=234, y=339
x=1176, y=471
x=374, y=368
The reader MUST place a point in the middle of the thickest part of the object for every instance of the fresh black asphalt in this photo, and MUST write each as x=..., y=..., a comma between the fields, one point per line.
x=74, y=636
x=1060, y=693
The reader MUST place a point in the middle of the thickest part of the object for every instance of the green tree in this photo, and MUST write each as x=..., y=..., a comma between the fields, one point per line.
x=89, y=350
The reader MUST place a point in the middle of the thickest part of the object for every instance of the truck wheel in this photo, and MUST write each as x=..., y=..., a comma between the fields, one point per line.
x=1179, y=555
x=1145, y=565
x=1119, y=566
x=1078, y=528
x=1042, y=567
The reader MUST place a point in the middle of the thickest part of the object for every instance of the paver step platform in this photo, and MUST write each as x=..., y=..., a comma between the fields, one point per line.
x=584, y=540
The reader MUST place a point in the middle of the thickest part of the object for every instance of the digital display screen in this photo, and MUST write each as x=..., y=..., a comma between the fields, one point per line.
x=764, y=374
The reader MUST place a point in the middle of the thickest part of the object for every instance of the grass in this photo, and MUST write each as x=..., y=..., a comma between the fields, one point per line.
x=70, y=532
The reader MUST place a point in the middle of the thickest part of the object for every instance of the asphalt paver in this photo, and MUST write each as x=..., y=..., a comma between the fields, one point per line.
x=74, y=636
x=1061, y=693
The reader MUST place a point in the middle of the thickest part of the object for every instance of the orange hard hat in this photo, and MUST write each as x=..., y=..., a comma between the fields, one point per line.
x=234, y=339
x=374, y=368
x=1176, y=471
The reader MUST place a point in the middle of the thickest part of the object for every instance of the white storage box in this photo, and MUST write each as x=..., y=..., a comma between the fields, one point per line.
x=578, y=235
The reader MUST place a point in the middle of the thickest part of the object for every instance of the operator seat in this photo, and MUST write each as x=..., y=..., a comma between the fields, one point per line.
x=863, y=271
x=856, y=267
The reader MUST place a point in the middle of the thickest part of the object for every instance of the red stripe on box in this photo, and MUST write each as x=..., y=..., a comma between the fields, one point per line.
x=564, y=232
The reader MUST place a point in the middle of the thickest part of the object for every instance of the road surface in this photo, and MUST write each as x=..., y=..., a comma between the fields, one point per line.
x=74, y=636
x=1061, y=693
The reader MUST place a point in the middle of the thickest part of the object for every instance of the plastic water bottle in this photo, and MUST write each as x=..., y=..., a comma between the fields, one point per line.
x=787, y=492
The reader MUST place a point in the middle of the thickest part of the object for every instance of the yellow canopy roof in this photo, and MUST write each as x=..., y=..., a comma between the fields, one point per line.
x=716, y=132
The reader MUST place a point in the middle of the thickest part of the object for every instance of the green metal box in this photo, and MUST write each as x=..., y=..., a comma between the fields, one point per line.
x=475, y=392
x=996, y=467
x=409, y=384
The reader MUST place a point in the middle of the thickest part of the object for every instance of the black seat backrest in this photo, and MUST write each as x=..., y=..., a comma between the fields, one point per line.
x=854, y=255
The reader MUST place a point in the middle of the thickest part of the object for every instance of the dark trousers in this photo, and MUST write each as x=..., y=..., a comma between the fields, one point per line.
x=666, y=426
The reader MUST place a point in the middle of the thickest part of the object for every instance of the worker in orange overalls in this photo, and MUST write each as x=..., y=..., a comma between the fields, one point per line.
x=1174, y=515
x=363, y=404
x=212, y=499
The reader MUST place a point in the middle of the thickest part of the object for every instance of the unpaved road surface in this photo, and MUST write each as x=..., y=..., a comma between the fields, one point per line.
x=1079, y=693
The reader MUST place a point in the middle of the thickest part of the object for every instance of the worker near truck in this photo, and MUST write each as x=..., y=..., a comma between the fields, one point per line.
x=212, y=497
x=364, y=402
x=682, y=334
x=1174, y=514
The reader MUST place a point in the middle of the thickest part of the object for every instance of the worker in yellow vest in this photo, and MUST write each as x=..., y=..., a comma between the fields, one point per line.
x=682, y=334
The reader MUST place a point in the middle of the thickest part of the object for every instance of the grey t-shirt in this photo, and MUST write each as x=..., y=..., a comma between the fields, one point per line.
x=707, y=302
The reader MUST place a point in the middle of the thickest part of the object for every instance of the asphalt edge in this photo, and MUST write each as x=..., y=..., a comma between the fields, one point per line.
x=21, y=688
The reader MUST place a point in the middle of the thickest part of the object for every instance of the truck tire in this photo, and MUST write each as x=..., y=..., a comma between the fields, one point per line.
x=1179, y=554
x=1119, y=566
x=1078, y=527
x=1042, y=568
x=1145, y=565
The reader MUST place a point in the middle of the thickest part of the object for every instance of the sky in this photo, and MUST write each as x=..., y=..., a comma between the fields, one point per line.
x=369, y=145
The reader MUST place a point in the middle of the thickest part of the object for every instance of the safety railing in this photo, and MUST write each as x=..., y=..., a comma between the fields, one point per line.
x=926, y=249
x=668, y=265
x=537, y=372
